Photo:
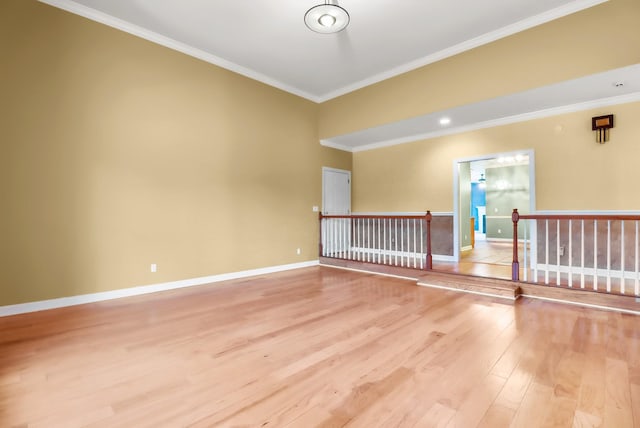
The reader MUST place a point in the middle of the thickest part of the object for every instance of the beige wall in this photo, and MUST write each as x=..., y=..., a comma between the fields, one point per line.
x=601, y=38
x=117, y=153
x=573, y=172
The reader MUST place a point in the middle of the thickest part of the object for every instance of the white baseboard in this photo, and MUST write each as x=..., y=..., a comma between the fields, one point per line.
x=62, y=302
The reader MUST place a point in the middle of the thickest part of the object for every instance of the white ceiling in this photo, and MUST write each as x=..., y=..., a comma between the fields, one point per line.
x=267, y=39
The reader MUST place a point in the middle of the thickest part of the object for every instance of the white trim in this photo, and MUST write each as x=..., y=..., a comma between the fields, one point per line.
x=328, y=143
x=62, y=302
x=484, y=39
x=588, y=305
x=480, y=293
x=539, y=114
x=467, y=248
x=106, y=19
x=371, y=272
x=127, y=27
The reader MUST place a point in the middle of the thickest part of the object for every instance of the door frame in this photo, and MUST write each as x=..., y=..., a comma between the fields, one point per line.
x=456, y=191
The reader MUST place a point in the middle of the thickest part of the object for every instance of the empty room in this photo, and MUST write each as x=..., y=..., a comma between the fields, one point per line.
x=306, y=213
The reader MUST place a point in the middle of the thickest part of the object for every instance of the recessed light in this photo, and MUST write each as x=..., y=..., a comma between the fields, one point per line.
x=445, y=121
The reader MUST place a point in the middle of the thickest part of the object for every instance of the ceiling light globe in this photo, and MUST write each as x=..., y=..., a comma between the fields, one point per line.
x=326, y=20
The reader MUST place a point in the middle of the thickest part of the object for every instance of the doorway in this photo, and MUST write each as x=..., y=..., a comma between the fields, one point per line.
x=336, y=191
x=486, y=189
x=336, y=200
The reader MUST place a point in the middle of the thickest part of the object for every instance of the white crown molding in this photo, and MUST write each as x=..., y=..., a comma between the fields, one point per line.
x=329, y=143
x=103, y=18
x=554, y=111
x=144, y=289
x=111, y=21
x=484, y=39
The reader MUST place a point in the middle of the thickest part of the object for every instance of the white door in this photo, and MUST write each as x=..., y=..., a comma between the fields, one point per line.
x=336, y=191
x=336, y=200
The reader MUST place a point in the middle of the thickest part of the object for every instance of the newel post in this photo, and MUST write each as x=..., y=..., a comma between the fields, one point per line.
x=320, y=237
x=515, y=265
x=429, y=264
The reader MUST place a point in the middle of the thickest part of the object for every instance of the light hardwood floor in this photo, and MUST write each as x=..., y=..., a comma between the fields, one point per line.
x=319, y=347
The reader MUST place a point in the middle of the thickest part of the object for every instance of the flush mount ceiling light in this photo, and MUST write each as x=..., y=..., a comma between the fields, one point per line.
x=326, y=18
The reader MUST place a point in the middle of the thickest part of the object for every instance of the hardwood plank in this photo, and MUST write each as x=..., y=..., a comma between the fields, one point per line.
x=319, y=347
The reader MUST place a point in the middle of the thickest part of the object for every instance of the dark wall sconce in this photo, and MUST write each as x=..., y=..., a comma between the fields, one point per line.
x=601, y=125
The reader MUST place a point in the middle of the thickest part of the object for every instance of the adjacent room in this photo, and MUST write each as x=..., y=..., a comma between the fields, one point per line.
x=309, y=213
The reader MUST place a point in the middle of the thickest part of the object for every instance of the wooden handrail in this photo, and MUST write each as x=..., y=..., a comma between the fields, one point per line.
x=578, y=217
x=386, y=217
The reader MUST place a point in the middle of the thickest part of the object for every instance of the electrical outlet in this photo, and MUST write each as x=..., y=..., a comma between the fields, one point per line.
x=562, y=250
x=499, y=230
x=154, y=267
x=298, y=251
x=315, y=208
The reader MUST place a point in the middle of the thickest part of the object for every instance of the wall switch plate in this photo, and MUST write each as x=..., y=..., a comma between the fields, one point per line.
x=315, y=209
x=298, y=251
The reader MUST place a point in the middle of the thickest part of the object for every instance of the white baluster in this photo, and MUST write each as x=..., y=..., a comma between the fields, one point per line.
x=379, y=243
x=384, y=241
x=582, y=254
x=558, y=252
x=368, y=240
x=608, y=256
x=421, y=244
x=570, y=253
x=546, y=256
x=622, y=284
x=402, y=242
x=524, y=248
x=396, y=243
x=415, y=242
x=595, y=255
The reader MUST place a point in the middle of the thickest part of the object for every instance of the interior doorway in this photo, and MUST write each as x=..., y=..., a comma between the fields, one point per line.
x=486, y=189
